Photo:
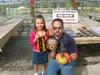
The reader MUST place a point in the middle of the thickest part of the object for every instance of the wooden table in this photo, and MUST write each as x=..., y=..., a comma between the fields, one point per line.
x=88, y=24
x=95, y=16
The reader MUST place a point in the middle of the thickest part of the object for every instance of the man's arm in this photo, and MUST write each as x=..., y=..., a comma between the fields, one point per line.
x=74, y=56
x=73, y=49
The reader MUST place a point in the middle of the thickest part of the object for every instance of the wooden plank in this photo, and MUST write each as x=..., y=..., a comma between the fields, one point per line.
x=8, y=28
x=88, y=23
x=87, y=40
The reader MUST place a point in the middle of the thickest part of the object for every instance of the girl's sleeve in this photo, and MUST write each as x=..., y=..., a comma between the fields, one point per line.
x=32, y=36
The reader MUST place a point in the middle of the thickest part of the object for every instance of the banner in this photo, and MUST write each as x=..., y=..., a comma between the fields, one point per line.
x=68, y=16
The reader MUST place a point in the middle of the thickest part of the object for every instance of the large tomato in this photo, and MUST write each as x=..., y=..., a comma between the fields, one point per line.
x=51, y=32
x=63, y=58
x=67, y=56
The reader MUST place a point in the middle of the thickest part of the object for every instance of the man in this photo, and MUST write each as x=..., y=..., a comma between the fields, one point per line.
x=69, y=46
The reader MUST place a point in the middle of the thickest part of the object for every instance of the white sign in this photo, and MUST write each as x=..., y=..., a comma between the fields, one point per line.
x=68, y=16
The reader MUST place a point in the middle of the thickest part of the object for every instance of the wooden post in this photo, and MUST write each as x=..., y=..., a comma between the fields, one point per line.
x=32, y=7
x=74, y=4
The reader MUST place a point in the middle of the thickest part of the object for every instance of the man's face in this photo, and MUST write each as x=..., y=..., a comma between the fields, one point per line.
x=58, y=28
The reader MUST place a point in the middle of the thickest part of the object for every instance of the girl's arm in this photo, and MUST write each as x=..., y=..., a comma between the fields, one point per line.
x=32, y=38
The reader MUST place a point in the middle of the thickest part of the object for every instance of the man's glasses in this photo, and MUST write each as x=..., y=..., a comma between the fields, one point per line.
x=59, y=28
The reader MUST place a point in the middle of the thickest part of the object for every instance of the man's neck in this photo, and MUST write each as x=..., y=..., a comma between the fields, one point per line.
x=58, y=37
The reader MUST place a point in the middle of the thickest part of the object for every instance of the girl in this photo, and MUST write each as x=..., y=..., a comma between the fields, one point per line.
x=38, y=39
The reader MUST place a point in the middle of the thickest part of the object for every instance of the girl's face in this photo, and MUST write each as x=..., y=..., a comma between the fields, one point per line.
x=39, y=24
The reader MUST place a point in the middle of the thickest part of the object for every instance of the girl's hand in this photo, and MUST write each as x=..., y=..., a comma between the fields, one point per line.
x=36, y=37
x=41, y=33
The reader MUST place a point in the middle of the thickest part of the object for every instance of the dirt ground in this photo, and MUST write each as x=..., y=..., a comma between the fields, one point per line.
x=17, y=53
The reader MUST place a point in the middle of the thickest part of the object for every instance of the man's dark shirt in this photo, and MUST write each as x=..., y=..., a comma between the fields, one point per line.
x=68, y=44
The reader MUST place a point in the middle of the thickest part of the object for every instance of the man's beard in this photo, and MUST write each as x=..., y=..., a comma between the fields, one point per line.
x=57, y=33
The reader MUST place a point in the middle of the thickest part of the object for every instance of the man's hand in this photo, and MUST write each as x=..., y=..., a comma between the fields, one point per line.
x=52, y=54
x=74, y=56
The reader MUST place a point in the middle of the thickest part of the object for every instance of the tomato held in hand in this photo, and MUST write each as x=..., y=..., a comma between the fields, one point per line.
x=63, y=58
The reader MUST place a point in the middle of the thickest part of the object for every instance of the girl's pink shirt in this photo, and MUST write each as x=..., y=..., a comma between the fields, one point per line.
x=34, y=43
